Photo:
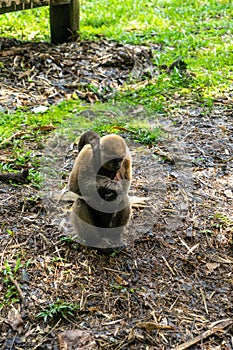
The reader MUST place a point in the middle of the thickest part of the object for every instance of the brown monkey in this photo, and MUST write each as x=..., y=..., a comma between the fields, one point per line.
x=102, y=210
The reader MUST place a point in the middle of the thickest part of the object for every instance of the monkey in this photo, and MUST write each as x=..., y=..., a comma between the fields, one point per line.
x=113, y=151
x=102, y=208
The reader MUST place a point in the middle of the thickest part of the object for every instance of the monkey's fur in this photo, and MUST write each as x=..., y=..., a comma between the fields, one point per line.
x=102, y=210
x=92, y=138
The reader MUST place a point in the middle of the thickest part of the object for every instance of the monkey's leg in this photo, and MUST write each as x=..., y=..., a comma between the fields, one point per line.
x=102, y=219
x=82, y=218
x=119, y=223
x=121, y=218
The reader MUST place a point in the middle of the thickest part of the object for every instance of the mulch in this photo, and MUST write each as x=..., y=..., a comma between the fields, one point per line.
x=44, y=74
x=171, y=287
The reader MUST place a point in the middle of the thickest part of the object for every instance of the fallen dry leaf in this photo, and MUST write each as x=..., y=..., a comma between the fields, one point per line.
x=150, y=326
x=210, y=267
x=15, y=320
x=76, y=339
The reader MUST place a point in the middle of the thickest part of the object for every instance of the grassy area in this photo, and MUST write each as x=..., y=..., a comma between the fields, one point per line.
x=26, y=25
x=22, y=132
x=198, y=32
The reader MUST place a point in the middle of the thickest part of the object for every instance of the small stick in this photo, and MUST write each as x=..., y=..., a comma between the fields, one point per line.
x=15, y=283
x=173, y=304
x=204, y=301
x=44, y=338
x=14, y=136
x=190, y=250
x=205, y=334
x=173, y=273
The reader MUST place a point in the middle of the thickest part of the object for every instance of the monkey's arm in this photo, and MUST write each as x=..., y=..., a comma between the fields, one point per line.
x=108, y=189
x=94, y=186
x=125, y=174
x=82, y=165
x=84, y=181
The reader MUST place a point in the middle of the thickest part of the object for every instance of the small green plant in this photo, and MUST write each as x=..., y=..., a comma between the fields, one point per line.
x=115, y=252
x=23, y=157
x=221, y=219
x=9, y=273
x=67, y=239
x=119, y=287
x=147, y=136
x=35, y=178
x=58, y=309
x=10, y=232
x=57, y=259
x=208, y=232
x=198, y=160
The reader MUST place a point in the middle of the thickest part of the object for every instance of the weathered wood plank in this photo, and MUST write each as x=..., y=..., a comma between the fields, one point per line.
x=21, y=6
x=64, y=22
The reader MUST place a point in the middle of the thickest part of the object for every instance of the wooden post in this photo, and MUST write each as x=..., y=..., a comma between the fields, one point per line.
x=64, y=20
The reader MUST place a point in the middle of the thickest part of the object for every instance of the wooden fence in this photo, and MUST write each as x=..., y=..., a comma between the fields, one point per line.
x=64, y=16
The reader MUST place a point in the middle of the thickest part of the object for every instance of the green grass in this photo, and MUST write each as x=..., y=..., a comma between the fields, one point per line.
x=65, y=115
x=22, y=120
x=28, y=25
x=199, y=32
x=22, y=143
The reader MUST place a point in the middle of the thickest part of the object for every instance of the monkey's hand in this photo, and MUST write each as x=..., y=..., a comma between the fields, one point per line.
x=109, y=190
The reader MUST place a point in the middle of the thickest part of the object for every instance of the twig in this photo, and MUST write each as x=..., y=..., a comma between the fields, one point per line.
x=190, y=250
x=12, y=137
x=117, y=127
x=6, y=160
x=173, y=304
x=204, y=301
x=44, y=338
x=173, y=273
x=13, y=342
x=204, y=335
x=15, y=283
x=45, y=239
x=225, y=260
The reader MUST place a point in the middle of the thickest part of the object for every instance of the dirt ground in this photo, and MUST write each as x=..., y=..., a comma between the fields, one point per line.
x=171, y=287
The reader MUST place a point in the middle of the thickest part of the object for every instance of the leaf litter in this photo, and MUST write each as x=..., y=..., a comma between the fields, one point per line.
x=35, y=74
x=171, y=287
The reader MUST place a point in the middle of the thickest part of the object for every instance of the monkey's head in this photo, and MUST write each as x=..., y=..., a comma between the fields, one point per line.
x=113, y=152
